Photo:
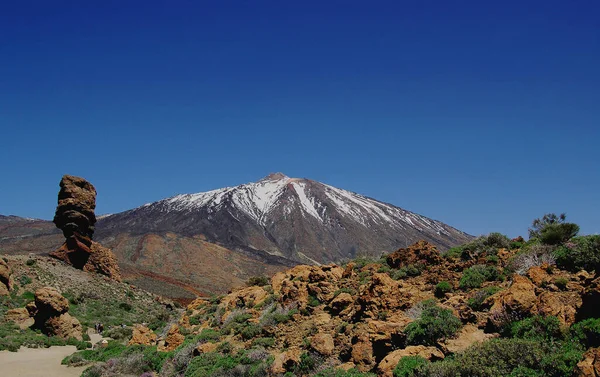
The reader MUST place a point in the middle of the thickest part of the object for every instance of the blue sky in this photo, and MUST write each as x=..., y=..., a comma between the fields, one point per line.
x=480, y=114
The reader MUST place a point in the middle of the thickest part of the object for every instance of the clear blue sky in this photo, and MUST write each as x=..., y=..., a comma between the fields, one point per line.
x=480, y=114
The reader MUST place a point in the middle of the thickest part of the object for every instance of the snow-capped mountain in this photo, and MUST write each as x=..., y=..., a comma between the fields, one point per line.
x=289, y=219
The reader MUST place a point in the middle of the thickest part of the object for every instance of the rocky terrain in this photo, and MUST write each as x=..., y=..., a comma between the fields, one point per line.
x=213, y=241
x=492, y=307
x=52, y=303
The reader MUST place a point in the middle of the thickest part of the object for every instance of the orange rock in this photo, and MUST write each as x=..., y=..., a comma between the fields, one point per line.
x=172, y=341
x=286, y=360
x=419, y=252
x=323, y=344
x=362, y=353
x=341, y=302
x=205, y=348
x=468, y=335
x=590, y=365
x=519, y=299
x=19, y=316
x=5, y=282
x=539, y=275
x=142, y=335
x=387, y=365
x=245, y=297
x=563, y=305
x=64, y=326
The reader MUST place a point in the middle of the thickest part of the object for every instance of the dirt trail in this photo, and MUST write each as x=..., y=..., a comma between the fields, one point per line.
x=38, y=362
x=41, y=362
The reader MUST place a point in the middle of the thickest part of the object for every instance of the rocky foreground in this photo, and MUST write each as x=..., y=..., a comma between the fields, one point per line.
x=502, y=311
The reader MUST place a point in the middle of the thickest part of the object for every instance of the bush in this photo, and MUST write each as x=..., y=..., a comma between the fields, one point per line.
x=435, y=323
x=537, y=327
x=30, y=262
x=251, y=331
x=476, y=302
x=476, y=275
x=534, y=254
x=561, y=283
x=408, y=366
x=508, y=357
x=587, y=332
x=552, y=229
x=442, y=288
x=582, y=253
x=257, y=280
x=263, y=342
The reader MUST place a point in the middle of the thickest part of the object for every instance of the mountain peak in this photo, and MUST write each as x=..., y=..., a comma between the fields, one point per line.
x=275, y=177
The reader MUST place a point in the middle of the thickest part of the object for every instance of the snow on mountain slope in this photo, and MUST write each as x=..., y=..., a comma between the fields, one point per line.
x=300, y=219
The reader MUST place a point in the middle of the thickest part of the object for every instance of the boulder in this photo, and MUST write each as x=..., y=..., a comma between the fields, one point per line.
x=286, y=360
x=75, y=217
x=362, y=353
x=64, y=326
x=323, y=344
x=590, y=365
x=142, y=335
x=341, y=302
x=5, y=283
x=173, y=340
x=205, y=348
x=539, y=275
x=419, y=252
x=49, y=311
x=387, y=365
x=518, y=301
x=20, y=316
x=467, y=336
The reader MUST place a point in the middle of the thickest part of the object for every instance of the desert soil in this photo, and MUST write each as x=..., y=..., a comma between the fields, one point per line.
x=38, y=362
x=41, y=362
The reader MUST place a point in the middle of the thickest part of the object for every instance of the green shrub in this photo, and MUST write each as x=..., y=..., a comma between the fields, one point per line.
x=509, y=357
x=561, y=283
x=209, y=335
x=207, y=364
x=24, y=280
x=125, y=306
x=442, y=288
x=581, y=253
x=552, y=229
x=587, y=332
x=408, y=366
x=476, y=302
x=537, y=327
x=434, y=324
x=251, y=331
x=475, y=276
x=263, y=342
x=30, y=262
x=343, y=290
x=313, y=301
x=257, y=280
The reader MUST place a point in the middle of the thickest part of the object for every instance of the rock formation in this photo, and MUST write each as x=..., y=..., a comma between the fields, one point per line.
x=420, y=252
x=75, y=217
x=142, y=335
x=50, y=314
x=5, y=283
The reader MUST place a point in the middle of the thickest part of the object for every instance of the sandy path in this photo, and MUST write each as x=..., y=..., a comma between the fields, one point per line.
x=38, y=362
